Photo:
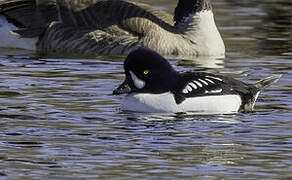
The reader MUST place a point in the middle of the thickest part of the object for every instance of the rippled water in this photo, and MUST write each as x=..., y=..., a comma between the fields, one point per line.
x=60, y=121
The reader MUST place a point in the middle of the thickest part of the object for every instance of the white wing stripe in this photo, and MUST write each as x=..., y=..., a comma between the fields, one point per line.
x=189, y=88
x=216, y=91
x=198, y=83
x=210, y=81
x=185, y=91
x=204, y=82
x=193, y=85
x=214, y=78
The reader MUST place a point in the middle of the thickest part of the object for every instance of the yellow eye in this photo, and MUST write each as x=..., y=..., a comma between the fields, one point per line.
x=145, y=72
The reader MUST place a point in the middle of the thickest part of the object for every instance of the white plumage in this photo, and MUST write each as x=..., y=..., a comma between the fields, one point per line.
x=145, y=102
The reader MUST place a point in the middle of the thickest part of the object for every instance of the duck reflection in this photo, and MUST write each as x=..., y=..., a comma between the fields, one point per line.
x=191, y=116
x=194, y=138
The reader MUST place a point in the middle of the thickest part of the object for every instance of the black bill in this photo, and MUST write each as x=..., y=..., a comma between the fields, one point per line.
x=122, y=89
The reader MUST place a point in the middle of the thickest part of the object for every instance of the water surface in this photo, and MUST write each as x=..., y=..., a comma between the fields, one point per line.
x=60, y=121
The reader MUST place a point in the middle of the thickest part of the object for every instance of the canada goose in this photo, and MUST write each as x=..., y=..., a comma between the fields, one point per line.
x=109, y=27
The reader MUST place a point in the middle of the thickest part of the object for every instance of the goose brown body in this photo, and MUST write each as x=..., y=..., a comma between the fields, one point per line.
x=113, y=27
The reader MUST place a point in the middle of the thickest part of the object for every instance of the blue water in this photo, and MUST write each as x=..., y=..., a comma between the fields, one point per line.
x=60, y=121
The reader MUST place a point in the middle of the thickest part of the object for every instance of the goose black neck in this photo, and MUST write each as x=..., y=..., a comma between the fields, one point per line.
x=186, y=7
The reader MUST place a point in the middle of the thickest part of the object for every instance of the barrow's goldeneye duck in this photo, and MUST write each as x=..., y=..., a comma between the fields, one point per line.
x=152, y=85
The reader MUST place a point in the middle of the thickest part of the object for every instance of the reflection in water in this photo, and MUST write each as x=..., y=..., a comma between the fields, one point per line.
x=273, y=24
x=202, y=62
x=277, y=25
x=169, y=117
x=173, y=130
x=14, y=52
x=60, y=121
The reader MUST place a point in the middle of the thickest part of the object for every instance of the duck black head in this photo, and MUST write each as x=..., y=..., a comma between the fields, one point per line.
x=147, y=71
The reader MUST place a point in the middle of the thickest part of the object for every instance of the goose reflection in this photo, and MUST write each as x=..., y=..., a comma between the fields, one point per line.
x=272, y=31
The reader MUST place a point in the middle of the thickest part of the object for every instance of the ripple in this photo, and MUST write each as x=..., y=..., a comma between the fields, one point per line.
x=59, y=119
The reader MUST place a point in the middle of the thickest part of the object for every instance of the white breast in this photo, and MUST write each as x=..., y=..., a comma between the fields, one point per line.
x=165, y=103
x=9, y=40
x=204, y=32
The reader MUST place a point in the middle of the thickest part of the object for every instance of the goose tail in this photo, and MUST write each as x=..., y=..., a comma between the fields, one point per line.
x=27, y=18
x=23, y=21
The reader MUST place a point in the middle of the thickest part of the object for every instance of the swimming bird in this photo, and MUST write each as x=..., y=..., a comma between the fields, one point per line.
x=109, y=27
x=153, y=85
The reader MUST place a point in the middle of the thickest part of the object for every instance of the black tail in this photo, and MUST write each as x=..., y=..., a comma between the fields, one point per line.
x=261, y=84
x=19, y=12
x=29, y=15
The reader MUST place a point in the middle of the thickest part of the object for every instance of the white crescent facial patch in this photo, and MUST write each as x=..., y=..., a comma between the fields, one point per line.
x=137, y=82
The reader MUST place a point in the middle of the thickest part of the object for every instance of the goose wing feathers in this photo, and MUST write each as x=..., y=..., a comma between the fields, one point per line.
x=101, y=14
